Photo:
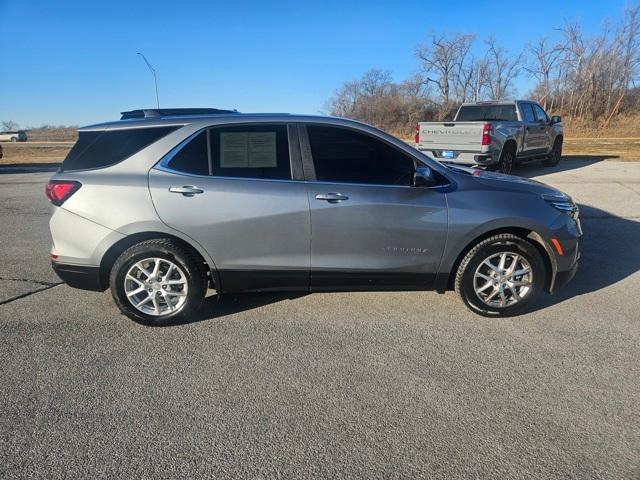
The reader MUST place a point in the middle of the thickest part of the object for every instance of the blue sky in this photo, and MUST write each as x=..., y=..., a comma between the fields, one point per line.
x=75, y=62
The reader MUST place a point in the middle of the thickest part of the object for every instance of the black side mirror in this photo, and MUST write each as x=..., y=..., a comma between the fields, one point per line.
x=424, y=177
x=555, y=119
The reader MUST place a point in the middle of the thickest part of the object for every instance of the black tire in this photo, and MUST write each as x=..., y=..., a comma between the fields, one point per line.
x=506, y=162
x=167, y=249
x=14, y=139
x=555, y=155
x=465, y=275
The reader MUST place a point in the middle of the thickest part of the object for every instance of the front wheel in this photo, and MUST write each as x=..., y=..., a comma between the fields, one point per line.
x=158, y=282
x=501, y=276
x=555, y=155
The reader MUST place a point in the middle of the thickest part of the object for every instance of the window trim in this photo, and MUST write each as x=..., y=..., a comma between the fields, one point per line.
x=309, y=167
x=294, y=157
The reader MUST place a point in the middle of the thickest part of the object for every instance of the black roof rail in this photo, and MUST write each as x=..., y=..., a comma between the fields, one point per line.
x=172, y=112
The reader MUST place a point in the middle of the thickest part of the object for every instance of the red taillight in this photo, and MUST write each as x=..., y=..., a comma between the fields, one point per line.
x=58, y=191
x=487, y=130
x=416, y=137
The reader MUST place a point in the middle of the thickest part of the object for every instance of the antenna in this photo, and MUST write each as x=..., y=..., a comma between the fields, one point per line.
x=153, y=72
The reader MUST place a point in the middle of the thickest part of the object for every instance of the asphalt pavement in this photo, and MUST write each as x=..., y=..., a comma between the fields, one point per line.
x=336, y=385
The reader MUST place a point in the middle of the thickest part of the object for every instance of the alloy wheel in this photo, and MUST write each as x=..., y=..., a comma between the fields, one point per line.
x=503, y=279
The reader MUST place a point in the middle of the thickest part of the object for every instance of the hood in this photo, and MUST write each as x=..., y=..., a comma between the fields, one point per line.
x=503, y=181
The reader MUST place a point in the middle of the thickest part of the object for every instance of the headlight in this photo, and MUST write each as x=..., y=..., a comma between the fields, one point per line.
x=562, y=202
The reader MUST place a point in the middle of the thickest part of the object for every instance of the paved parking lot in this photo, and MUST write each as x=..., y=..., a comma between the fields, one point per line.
x=359, y=385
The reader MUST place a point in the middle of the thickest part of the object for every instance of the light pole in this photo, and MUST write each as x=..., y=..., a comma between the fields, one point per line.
x=153, y=72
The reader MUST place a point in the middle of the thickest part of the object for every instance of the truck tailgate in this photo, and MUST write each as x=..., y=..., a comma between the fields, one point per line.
x=450, y=136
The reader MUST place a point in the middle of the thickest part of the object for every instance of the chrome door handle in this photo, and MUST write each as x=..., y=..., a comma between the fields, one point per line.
x=187, y=190
x=332, y=197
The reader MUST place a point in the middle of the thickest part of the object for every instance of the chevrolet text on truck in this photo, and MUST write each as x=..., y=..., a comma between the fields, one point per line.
x=496, y=135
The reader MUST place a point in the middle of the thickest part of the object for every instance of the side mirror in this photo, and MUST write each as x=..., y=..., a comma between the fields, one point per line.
x=424, y=177
x=555, y=119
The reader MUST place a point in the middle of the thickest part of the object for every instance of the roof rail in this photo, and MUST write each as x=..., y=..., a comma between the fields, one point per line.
x=170, y=112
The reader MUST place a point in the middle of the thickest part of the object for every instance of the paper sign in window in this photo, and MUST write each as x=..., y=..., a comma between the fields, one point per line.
x=248, y=150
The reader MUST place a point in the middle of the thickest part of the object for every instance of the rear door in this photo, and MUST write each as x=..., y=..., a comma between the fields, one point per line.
x=371, y=228
x=231, y=189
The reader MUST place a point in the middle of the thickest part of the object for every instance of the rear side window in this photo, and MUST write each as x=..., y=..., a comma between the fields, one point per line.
x=474, y=113
x=103, y=148
x=243, y=151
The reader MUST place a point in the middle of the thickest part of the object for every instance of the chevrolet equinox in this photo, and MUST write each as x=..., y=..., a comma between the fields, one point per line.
x=164, y=204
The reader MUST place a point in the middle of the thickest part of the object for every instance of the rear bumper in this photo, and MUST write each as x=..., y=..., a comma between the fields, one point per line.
x=79, y=276
x=461, y=157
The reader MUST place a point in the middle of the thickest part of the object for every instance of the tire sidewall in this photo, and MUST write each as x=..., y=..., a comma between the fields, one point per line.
x=195, y=292
x=506, y=162
x=525, y=249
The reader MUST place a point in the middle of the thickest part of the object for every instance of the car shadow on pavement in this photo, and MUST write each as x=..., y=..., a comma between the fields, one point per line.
x=610, y=253
x=568, y=162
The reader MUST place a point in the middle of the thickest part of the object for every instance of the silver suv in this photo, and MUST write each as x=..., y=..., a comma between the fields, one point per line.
x=165, y=204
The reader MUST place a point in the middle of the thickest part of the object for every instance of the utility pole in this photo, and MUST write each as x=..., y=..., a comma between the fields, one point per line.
x=153, y=72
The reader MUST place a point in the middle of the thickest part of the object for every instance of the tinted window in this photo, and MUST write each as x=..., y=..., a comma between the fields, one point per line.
x=246, y=151
x=473, y=113
x=192, y=158
x=540, y=115
x=527, y=112
x=341, y=155
x=99, y=149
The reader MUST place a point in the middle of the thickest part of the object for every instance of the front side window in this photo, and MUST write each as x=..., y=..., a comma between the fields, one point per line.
x=527, y=112
x=346, y=156
x=245, y=151
x=541, y=116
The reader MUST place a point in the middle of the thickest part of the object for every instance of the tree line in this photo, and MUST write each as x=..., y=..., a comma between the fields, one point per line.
x=576, y=75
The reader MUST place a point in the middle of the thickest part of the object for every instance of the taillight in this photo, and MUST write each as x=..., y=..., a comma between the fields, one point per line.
x=416, y=137
x=58, y=191
x=487, y=130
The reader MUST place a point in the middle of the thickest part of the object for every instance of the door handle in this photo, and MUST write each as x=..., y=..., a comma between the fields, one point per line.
x=332, y=197
x=186, y=190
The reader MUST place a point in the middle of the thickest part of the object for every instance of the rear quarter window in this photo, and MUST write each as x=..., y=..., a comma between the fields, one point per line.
x=103, y=148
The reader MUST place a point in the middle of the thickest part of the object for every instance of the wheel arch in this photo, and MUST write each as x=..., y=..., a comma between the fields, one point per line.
x=115, y=250
x=445, y=280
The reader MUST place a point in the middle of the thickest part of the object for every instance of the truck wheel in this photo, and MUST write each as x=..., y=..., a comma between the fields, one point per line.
x=501, y=276
x=505, y=164
x=555, y=155
x=14, y=139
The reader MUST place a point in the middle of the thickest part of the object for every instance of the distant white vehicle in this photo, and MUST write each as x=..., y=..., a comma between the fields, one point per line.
x=13, y=136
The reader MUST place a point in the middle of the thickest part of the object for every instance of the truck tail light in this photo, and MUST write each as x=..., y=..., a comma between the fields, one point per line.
x=416, y=136
x=58, y=191
x=487, y=130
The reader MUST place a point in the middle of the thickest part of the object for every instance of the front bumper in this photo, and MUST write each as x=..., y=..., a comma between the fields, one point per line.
x=79, y=276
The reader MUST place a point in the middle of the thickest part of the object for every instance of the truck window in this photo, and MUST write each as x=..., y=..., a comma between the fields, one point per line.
x=474, y=113
x=527, y=113
x=540, y=115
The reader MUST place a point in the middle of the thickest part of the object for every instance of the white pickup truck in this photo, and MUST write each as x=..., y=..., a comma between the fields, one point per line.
x=496, y=135
x=13, y=136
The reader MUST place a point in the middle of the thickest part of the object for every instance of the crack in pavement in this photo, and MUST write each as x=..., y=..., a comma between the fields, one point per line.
x=45, y=286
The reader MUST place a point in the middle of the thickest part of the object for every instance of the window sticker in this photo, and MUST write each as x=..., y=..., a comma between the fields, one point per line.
x=248, y=150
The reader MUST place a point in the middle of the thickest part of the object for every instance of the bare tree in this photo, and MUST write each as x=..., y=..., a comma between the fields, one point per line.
x=501, y=70
x=9, y=125
x=544, y=61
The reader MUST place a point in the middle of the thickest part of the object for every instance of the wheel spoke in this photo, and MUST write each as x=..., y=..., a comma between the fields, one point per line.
x=523, y=271
x=146, y=272
x=514, y=264
x=491, y=266
x=521, y=284
x=136, y=291
x=134, y=279
x=492, y=294
x=143, y=301
x=503, y=259
x=156, y=307
x=503, y=297
x=484, y=277
x=514, y=293
x=174, y=294
x=156, y=268
x=167, y=275
x=174, y=282
x=484, y=287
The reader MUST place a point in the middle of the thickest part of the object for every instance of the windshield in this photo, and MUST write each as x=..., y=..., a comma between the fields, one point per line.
x=474, y=113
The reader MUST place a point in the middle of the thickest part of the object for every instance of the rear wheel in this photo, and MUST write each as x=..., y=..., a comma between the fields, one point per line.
x=506, y=162
x=555, y=155
x=14, y=139
x=158, y=282
x=501, y=276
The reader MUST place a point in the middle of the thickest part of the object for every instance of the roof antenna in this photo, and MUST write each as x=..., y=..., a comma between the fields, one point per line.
x=153, y=72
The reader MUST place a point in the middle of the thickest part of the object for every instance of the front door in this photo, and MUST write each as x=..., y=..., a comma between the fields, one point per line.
x=231, y=190
x=370, y=228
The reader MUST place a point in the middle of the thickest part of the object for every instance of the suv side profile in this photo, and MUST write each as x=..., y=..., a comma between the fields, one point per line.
x=164, y=204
